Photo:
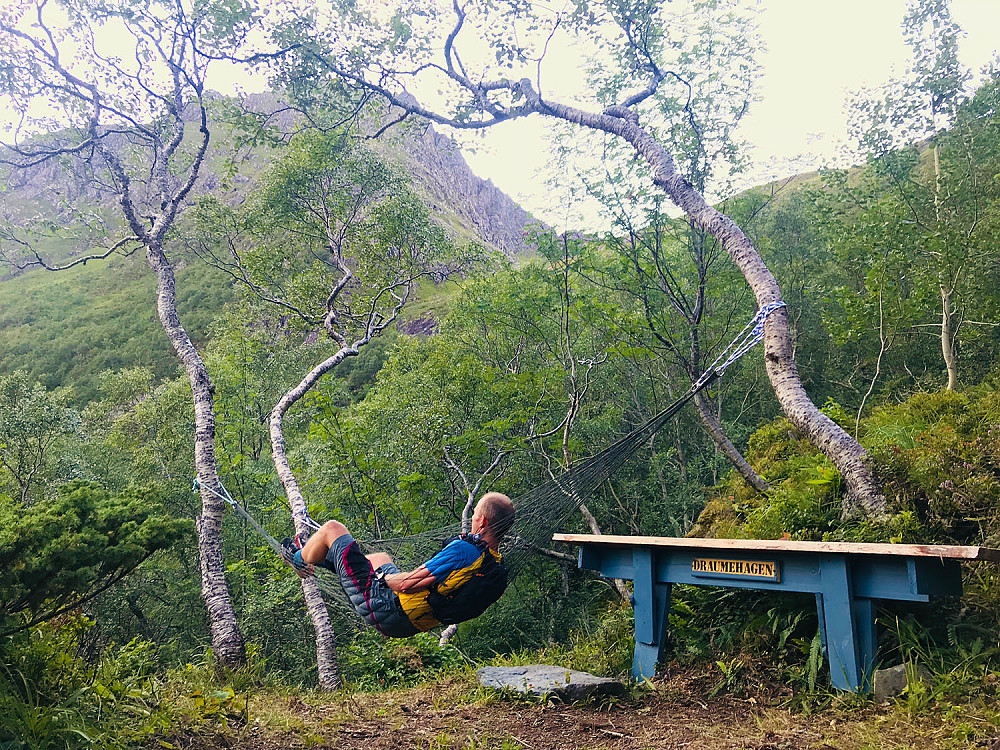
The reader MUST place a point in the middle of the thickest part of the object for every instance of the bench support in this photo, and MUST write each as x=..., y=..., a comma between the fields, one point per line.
x=651, y=601
x=847, y=626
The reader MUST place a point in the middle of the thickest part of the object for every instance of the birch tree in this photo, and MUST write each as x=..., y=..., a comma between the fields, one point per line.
x=934, y=198
x=489, y=62
x=120, y=86
x=717, y=43
x=336, y=240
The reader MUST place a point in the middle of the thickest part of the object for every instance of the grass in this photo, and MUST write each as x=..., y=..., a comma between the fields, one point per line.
x=453, y=712
x=66, y=328
x=431, y=298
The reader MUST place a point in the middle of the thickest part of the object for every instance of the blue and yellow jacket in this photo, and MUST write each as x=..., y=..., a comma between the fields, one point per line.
x=456, y=565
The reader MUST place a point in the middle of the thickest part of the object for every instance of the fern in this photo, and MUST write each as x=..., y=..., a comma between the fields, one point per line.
x=815, y=659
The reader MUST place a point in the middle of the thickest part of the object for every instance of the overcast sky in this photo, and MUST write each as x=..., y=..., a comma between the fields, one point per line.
x=817, y=51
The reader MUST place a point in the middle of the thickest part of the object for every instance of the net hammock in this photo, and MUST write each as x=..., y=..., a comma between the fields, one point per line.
x=541, y=510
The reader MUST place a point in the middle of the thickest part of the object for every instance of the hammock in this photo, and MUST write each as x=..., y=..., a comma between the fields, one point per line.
x=546, y=507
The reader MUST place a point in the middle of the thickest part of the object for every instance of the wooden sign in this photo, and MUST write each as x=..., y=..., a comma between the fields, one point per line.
x=759, y=570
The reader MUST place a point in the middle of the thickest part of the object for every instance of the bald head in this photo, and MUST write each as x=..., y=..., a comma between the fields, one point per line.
x=498, y=512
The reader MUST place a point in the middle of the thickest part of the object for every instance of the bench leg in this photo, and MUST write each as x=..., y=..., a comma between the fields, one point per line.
x=651, y=601
x=848, y=626
x=864, y=626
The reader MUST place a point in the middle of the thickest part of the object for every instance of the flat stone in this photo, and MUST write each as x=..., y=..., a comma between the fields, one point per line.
x=544, y=679
x=891, y=682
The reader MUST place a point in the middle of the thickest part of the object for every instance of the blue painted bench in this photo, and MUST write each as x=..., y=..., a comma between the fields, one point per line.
x=846, y=578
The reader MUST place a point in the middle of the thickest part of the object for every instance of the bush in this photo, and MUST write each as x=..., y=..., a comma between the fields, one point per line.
x=804, y=498
x=607, y=649
x=51, y=698
x=71, y=547
x=938, y=457
x=374, y=662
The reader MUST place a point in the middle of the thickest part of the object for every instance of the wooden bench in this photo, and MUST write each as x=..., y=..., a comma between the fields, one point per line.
x=846, y=579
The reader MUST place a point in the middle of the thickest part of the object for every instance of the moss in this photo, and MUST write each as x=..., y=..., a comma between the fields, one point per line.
x=719, y=520
x=937, y=455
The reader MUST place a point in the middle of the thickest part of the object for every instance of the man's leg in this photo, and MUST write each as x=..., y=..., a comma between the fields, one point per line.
x=333, y=547
x=320, y=542
x=378, y=559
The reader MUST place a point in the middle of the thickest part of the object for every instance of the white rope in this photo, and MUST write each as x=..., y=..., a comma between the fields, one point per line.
x=747, y=339
x=240, y=511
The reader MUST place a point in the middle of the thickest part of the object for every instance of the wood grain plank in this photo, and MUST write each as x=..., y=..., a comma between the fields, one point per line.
x=781, y=545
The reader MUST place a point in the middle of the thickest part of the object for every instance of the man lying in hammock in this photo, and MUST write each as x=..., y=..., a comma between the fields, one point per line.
x=455, y=585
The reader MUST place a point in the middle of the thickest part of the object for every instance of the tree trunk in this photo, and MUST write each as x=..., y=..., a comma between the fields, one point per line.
x=681, y=456
x=709, y=420
x=724, y=444
x=227, y=640
x=326, y=639
x=595, y=528
x=947, y=347
x=863, y=495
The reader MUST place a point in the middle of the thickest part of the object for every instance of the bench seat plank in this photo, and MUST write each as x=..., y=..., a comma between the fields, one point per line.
x=781, y=545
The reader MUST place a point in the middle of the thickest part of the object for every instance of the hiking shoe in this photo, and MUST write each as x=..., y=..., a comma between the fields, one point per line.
x=291, y=553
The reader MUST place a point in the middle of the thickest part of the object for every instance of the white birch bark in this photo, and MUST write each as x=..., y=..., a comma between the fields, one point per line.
x=326, y=639
x=863, y=493
x=227, y=640
x=947, y=339
x=228, y=643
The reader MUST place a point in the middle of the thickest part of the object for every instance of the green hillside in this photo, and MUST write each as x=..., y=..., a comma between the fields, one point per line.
x=65, y=328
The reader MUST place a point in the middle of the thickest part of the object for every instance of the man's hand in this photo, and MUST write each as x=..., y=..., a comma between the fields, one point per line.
x=306, y=570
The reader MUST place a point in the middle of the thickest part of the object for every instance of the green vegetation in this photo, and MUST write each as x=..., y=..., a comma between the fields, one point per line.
x=66, y=328
x=506, y=373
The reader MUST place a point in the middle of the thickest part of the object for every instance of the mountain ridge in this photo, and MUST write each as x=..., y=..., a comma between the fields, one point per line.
x=66, y=328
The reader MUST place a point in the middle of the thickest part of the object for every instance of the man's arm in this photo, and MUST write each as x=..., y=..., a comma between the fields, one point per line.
x=415, y=580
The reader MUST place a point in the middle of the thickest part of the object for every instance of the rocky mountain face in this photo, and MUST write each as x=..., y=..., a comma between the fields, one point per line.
x=462, y=201
x=440, y=173
x=437, y=165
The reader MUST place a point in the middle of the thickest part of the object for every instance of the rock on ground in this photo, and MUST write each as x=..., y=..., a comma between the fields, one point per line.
x=544, y=679
x=892, y=681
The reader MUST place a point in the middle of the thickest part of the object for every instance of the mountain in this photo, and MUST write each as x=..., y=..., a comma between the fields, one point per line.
x=460, y=200
x=65, y=328
x=438, y=167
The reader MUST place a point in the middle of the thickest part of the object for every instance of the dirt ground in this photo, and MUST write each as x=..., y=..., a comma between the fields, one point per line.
x=451, y=716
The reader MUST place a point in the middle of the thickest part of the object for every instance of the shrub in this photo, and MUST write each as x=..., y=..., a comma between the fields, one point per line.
x=374, y=662
x=51, y=699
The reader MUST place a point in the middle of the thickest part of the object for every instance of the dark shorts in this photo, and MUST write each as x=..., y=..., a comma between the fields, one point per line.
x=370, y=596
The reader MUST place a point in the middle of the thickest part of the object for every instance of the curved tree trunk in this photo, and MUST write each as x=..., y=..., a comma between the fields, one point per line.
x=227, y=640
x=326, y=639
x=863, y=493
x=725, y=445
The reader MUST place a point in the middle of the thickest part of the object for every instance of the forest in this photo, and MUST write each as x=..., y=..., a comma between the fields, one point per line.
x=223, y=316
